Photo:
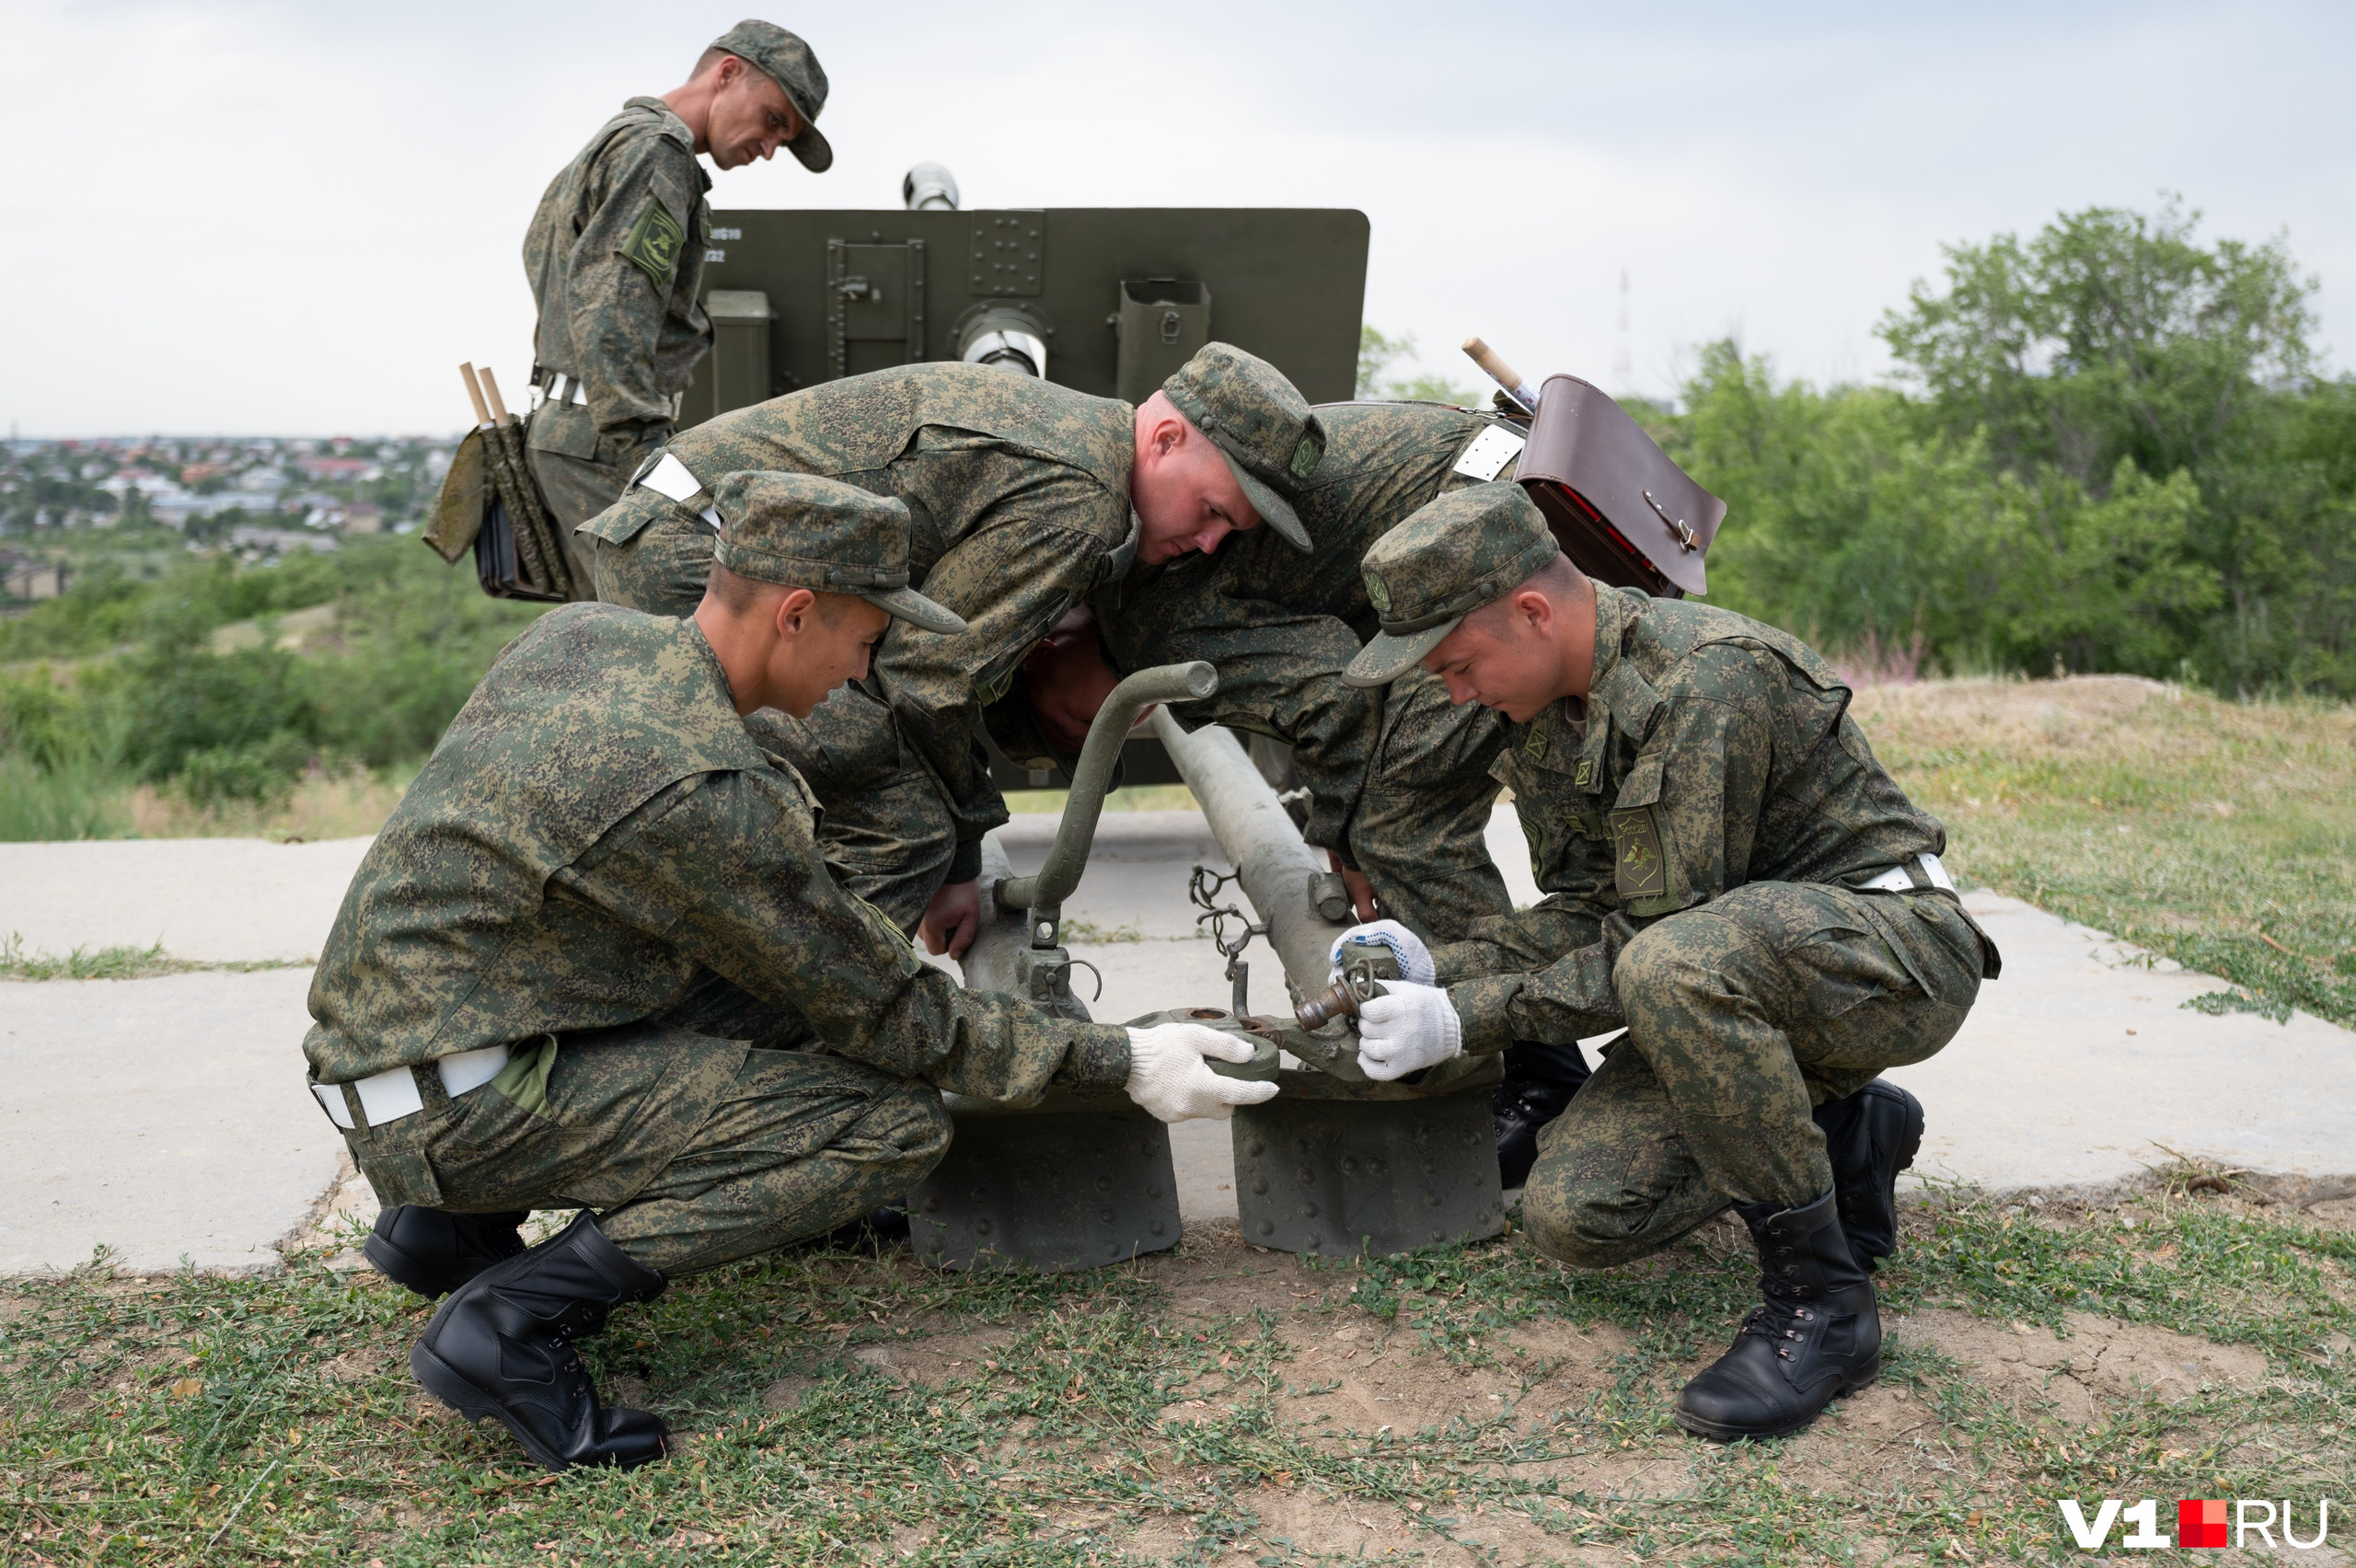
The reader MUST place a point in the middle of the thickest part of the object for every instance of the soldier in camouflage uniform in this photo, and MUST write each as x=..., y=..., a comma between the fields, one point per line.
x=1025, y=497
x=616, y=252
x=594, y=961
x=1398, y=777
x=1731, y=875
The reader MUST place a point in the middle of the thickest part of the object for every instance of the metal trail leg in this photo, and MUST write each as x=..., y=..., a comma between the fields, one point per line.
x=1053, y=1190
x=1377, y=1177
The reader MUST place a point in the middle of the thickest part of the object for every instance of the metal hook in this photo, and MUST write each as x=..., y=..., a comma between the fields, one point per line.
x=1685, y=534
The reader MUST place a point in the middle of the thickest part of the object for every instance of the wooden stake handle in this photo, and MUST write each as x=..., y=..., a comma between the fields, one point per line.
x=490, y=390
x=482, y=414
x=1486, y=358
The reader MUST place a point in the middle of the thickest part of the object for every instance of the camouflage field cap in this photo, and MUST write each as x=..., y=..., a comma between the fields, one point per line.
x=1264, y=427
x=824, y=536
x=790, y=64
x=1466, y=550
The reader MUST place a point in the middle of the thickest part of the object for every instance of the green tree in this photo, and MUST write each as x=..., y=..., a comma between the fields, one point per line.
x=2115, y=348
x=1377, y=352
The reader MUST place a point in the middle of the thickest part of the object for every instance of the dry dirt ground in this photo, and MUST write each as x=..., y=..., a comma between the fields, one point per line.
x=1221, y=1404
x=1345, y=1382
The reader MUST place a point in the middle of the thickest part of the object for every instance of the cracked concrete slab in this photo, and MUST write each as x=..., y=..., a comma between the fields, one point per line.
x=214, y=900
x=167, y=1117
x=2082, y=1070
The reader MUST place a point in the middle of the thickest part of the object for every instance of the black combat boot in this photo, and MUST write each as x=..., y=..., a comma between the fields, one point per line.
x=501, y=1346
x=434, y=1252
x=1538, y=1083
x=1870, y=1136
x=1817, y=1337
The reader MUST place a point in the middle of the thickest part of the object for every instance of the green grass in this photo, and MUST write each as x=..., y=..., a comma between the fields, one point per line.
x=82, y=798
x=117, y=962
x=2222, y=835
x=195, y=1419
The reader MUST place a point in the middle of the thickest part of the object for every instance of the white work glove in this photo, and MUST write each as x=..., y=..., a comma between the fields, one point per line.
x=1405, y=1028
x=1169, y=1077
x=1414, y=958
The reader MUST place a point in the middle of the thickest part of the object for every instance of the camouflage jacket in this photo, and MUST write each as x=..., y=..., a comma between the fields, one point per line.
x=597, y=841
x=1279, y=625
x=1017, y=492
x=1715, y=751
x=615, y=256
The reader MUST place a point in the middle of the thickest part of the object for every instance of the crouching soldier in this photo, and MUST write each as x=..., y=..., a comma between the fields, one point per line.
x=1732, y=876
x=596, y=961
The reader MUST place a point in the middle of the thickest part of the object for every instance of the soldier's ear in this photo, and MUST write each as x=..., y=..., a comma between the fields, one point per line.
x=1532, y=609
x=792, y=611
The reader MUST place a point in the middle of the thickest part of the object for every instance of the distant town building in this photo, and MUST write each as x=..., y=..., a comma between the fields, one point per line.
x=23, y=578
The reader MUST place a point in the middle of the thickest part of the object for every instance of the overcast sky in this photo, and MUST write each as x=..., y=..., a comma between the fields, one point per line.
x=247, y=218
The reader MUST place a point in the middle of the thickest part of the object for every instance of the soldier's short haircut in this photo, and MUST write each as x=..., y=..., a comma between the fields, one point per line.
x=739, y=595
x=710, y=58
x=1557, y=577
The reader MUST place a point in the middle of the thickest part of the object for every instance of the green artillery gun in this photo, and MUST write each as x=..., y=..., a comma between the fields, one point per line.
x=1106, y=300
x=1110, y=301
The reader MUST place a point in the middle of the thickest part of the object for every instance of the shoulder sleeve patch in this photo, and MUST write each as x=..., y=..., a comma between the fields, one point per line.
x=1639, y=871
x=654, y=244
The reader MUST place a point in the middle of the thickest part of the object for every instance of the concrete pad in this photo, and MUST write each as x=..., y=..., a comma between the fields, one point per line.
x=2080, y=1070
x=208, y=899
x=164, y=1118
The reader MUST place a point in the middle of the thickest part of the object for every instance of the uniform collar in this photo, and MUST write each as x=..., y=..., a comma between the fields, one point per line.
x=1618, y=695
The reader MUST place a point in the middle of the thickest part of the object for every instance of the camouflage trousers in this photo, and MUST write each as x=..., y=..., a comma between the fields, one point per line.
x=1743, y=1014
x=886, y=828
x=693, y=1150
x=579, y=473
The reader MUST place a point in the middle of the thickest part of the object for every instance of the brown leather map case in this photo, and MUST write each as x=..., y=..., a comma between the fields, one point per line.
x=1624, y=511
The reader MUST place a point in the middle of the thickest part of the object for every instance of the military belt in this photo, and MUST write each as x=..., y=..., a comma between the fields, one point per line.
x=559, y=386
x=1910, y=876
x=392, y=1094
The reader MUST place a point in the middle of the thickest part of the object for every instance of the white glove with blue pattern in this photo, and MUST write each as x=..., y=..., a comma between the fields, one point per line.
x=1415, y=959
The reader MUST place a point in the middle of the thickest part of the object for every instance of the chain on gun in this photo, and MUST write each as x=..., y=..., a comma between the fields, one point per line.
x=1202, y=891
x=1361, y=982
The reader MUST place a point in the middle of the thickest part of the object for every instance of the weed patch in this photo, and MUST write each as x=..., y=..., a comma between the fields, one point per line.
x=1218, y=1404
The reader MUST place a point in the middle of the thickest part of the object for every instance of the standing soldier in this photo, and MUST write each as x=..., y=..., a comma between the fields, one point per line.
x=595, y=962
x=1026, y=498
x=1731, y=875
x=1398, y=780
x=616, y=253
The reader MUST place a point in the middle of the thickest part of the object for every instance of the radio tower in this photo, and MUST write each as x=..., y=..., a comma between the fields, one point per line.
x=1623, y=361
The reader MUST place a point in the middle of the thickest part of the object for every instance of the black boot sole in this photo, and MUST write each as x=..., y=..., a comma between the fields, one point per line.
x=1717, y=1433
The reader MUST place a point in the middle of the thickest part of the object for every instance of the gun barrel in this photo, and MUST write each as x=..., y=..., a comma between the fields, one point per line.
x=1278, y=870
x=1068, y=855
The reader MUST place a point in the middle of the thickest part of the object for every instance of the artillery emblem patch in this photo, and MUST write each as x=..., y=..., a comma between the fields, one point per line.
x=1639, y=871
x=653, y=246
x=1305, y=457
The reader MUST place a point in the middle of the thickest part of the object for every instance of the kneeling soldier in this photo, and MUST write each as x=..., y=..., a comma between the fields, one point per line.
x=596, y=961
x=1730, y=874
